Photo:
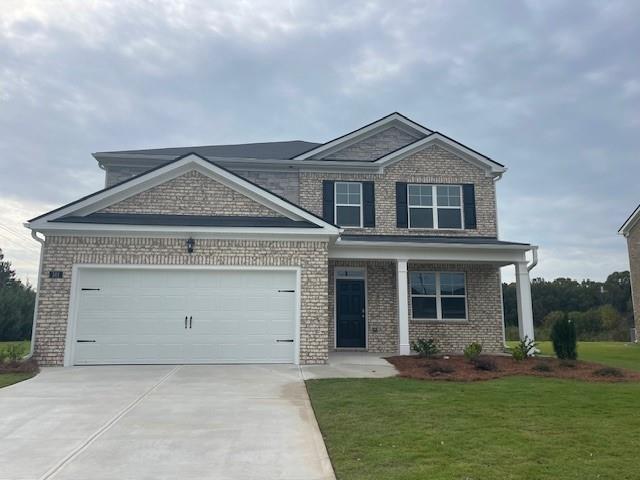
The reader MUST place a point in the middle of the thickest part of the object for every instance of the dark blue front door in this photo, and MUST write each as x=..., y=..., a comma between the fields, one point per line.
x=350, y=314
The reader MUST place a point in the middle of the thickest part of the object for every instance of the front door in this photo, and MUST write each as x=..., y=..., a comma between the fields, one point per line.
x=350, y=314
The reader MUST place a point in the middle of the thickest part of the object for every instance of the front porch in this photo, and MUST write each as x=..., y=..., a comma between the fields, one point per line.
x=386, y=293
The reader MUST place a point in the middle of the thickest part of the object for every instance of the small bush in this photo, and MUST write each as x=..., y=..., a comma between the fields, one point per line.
x=543, y=367
x=3, y=355
x=472, y=351
x=563, y=337
x=609, y=372
x=438, y=368
x=14, y=353
x=523, y=349
x=425, y=348
x=485, y=363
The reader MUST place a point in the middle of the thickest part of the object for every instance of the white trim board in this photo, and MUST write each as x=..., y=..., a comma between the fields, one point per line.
x=168, y=172
x=70, y=336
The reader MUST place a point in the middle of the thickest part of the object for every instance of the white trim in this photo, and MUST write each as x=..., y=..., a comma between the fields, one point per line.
x=364, y=272
x=169, y=172
x=434, y=206
x=336, y=204
x=75, y=285
x=439, y=296
x=625, y=229
x=394, y=119
x=402, y=279
x=446, y=143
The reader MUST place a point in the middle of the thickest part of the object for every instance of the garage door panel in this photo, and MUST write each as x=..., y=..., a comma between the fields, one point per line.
x=137, y=316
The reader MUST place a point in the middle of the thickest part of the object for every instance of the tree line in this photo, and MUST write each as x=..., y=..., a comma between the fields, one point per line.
x=599, y=310
x=17, y=301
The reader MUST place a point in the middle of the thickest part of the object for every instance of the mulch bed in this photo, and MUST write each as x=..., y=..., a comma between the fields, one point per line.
x=458, y=368
x=26, y=366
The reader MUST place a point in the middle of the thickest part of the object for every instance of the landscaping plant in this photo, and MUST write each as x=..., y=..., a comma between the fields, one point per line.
x=609, y=372
x=525, y=348
x=485, y=363
x=425, y=348
x=563, y=337
x=472, y=351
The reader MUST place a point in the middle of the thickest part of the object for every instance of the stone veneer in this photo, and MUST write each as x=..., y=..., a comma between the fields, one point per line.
x=431, y=165
x=484, y=312
x=633, y=244
x=61, y=253
x=191, y=194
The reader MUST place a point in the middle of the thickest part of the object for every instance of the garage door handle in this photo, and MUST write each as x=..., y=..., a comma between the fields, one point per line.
x=190, y=321
x=185, y=322
x=287, y=341
x=86, y=341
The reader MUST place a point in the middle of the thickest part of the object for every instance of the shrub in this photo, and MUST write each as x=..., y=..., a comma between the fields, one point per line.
x=523, y=349
x=472, y=351
x=14, y=353
x=3, y=355
x=568, y=363
x=485, y=363
x=425, y=348
x=563, y=336
x=542, y=367
x=609, y=372
x=438, y=368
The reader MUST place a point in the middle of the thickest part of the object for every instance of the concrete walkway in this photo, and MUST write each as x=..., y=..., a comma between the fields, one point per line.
x=161, y=422
x=351, y=365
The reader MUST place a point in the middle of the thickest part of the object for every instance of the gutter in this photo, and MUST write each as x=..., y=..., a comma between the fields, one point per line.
x=35, y=308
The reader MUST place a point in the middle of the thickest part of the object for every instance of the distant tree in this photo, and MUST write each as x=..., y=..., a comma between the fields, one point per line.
x=17, y=302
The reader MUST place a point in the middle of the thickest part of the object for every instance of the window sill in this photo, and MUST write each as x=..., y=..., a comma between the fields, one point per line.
x=454, y=321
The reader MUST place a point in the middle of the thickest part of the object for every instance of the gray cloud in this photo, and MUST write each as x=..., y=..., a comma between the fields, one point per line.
x=551, y=89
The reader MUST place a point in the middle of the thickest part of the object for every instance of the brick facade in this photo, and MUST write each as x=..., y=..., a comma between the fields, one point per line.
x=374, y=146
x=633, y=244
x=431, y=165
x=61, y=253
x=191, y=194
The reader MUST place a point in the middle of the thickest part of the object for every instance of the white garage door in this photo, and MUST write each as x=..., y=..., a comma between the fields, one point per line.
x=184, y=316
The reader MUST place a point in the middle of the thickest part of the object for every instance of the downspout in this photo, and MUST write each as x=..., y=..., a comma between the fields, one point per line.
x=35, y=308
x=534, y=259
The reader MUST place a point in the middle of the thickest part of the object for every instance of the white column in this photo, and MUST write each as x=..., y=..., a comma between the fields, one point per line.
x=525, y=310
x=403, y=308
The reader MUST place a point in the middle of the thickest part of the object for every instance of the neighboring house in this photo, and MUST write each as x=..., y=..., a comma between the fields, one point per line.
x=279, y=252
x=631, y=230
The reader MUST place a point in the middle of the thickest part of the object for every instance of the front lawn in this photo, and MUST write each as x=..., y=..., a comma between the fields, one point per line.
x=512, y=428
x=11, y=378
x=25, y=345
x=615, y=354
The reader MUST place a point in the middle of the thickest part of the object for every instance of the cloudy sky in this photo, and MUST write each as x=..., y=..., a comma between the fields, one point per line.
x=549, y=88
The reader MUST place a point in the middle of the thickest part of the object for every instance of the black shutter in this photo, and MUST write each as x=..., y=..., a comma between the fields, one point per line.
x=469, y=202
x=369, y=205
x=327, y=201
x=402, y=213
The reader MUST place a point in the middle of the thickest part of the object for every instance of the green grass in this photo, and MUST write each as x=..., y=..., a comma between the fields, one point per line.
x=11, y=378
x=512, y=428
x=615, y=354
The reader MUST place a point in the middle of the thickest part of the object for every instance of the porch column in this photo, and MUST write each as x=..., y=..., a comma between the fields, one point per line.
x=525, y=310
x=403, y=307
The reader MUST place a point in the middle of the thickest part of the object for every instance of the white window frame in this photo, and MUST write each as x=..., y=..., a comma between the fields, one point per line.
x=439, y=296
x=434, y=206
x=336, y=204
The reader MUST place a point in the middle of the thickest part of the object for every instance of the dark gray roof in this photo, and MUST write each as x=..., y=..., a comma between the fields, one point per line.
x=271, y=150
x=186, y=220
x=427, y=239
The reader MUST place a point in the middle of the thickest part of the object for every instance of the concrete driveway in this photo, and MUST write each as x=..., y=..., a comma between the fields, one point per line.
x=161, y=422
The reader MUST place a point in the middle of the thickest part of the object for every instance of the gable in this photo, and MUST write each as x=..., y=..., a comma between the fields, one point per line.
x=191, y=194
x=375, y=146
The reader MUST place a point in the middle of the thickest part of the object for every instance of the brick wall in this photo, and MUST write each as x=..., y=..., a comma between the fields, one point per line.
x=431, y=165
x=633, y=244
x=375, y=146
x=284, y=184
x=191, y=194
x=61, y=253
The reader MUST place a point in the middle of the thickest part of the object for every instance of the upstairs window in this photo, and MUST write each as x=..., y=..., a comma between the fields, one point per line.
x=348, y=204
x=434, y=206
x=438, y=295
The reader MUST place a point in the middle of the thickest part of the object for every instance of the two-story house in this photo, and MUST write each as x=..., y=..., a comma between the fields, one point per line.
x=279, y=252
x=631, y=230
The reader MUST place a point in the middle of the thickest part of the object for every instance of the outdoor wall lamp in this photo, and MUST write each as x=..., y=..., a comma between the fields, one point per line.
x=190, y=243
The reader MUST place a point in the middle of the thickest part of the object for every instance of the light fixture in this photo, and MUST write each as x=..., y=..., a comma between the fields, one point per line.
x=190, y=243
